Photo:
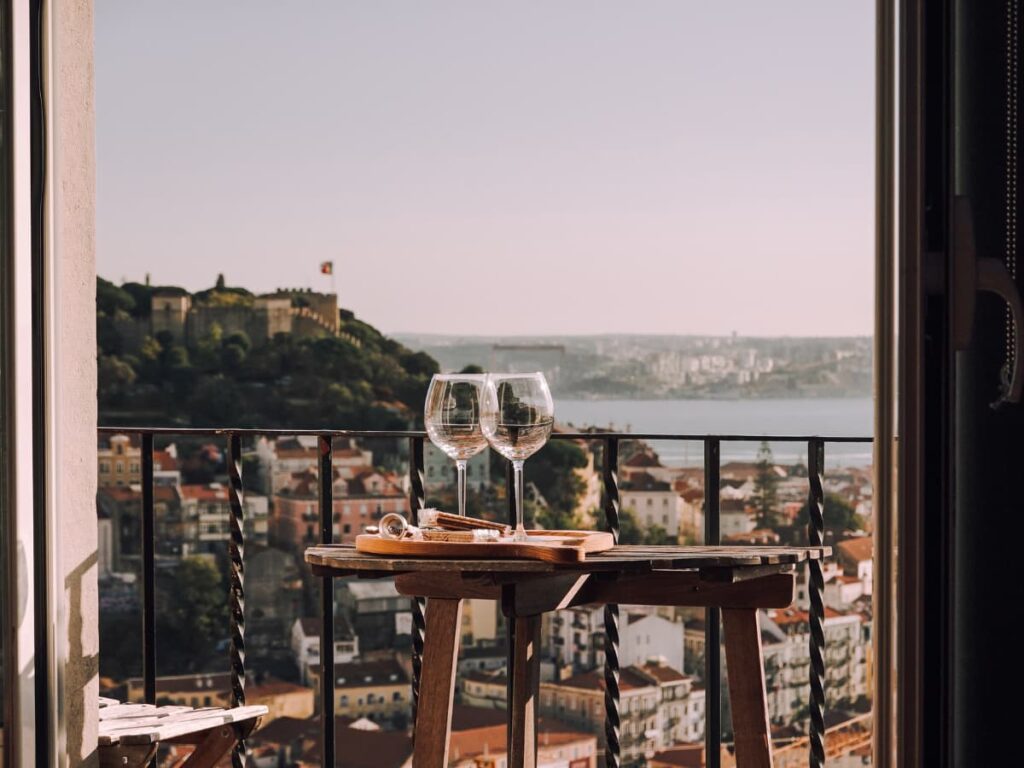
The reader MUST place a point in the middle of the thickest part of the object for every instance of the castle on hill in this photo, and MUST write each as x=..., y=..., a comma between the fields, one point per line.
x=299, y=312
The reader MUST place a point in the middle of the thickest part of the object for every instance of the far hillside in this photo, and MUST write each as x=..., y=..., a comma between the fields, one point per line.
x=225, y=356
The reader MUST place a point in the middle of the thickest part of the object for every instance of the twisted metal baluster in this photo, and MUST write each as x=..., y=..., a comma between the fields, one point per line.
x=325, y=477
x=612, y=722
x=815, y=586
x=236, y=553
x=417, y=500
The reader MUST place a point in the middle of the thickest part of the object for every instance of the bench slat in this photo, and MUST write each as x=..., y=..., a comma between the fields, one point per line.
x=126, y=723
x=175, y=727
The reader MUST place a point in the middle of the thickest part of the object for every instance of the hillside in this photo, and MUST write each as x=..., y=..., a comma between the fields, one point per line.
x=216, y=374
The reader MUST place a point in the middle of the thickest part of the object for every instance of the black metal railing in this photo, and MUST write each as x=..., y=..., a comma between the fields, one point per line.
x=609, y=442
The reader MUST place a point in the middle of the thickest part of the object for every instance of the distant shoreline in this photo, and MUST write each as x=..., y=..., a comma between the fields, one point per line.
x=710, y=397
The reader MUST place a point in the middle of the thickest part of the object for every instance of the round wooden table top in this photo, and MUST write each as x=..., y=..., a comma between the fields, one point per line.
x=341, y=559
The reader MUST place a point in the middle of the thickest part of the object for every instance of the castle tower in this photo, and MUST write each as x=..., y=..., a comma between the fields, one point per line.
x=169, y=312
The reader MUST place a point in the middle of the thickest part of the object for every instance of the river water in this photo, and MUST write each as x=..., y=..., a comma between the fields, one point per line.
x=800, y=416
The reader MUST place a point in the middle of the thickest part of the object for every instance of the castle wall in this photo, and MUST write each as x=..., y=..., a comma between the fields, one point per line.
x=202, y=319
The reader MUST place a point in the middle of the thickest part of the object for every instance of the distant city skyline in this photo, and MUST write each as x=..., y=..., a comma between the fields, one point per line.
x=664, y=168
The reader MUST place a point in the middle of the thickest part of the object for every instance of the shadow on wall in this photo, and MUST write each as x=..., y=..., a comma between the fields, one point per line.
x=81, y=676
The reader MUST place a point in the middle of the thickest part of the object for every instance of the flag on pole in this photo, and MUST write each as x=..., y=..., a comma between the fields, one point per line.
x=326, y=267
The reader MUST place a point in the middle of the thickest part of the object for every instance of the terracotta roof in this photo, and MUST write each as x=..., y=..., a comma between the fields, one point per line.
x=642, y=481
x=287, y=730
x=693, y=495
x=123, y=494
x=490, y=739
x=164, y=462
x=207, y=492
x=681, y=755
x=271, y=686
x=859, y=549
x=467, y=718
x=795, y=616
x=663, y=673
x=365, y=749
x=629, y=678
x=642, y=459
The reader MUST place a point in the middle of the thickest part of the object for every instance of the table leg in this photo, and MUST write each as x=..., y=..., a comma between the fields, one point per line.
x=746, y=688
x=437, y=683
x=522, y=712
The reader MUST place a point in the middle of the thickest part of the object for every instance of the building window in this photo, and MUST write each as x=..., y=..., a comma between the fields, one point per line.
x=119, y=467
x=104, y=467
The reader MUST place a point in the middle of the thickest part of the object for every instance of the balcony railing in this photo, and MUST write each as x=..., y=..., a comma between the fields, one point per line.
x=610, y=486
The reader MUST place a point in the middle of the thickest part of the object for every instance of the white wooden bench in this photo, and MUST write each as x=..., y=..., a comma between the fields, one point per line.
x=129, y=734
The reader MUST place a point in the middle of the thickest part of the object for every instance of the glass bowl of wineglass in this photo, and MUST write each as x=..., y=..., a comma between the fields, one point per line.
x=517, y=416
x=452, y=418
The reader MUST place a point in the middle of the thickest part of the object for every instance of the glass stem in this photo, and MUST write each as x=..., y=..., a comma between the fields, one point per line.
x=461, y=466
x=517, y=474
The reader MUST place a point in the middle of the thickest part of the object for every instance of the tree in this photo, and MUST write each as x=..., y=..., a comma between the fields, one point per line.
x=111, y=300
x=193, y=616
x=629, y=528
x=472, y=369
x=631, y=532
x=656, y=534
x=552, y=470
x=766, y=494
x=840, y=517
x=219, y=285
x=115, y=377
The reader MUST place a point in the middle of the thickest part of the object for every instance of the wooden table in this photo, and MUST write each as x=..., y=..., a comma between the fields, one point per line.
x=739, y=580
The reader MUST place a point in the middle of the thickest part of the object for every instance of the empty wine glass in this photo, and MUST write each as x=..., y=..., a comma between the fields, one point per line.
x=517, y=415
x=452, y=418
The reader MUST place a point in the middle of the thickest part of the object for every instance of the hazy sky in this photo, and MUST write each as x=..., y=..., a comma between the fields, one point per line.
x=545, y=166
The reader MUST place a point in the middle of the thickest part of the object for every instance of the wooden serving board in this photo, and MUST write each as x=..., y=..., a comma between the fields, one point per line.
x=551, y=546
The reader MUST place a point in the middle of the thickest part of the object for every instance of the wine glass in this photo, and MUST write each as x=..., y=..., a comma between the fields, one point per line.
x=517, y=415
x=452, y=418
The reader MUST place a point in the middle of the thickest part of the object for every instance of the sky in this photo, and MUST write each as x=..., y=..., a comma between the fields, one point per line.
x=523, y=167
